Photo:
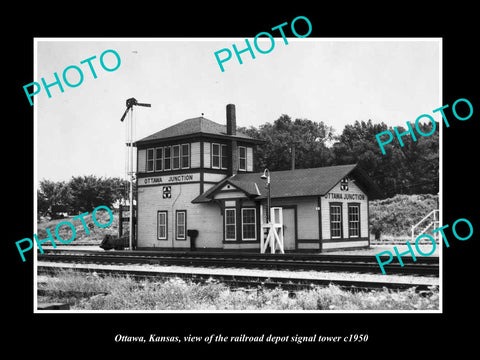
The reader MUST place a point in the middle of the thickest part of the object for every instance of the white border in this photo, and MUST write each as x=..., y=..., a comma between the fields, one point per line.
x=307, y=39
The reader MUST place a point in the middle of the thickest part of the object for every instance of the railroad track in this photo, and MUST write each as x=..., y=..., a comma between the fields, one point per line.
x=251, y=282
x=427, y=266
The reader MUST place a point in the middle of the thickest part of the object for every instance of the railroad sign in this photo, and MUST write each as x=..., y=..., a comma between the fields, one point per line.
x=167, y=192
x=125, y=212
x=169, y=179
x=124, y=217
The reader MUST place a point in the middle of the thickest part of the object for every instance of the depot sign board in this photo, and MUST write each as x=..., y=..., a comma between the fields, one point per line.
x=345, y=196
x=170, y=179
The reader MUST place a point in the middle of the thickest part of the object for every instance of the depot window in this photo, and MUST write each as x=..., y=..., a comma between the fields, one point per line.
x=219, y=156
x=230, y=224
x=167, y=158
x=162, y=225
x=150, y=160
x=242, y=156
x=249, y=224
x=185, y=156
x=353, y=220
x=181, y=224
x=223, y=153
x=216, y=156
x=176, y=157
x=159, y=159
x=336, y=220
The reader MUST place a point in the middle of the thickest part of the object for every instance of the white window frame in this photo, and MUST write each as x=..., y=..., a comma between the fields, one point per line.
x=254, y=223
x=156, y=159
x=184, y=212
x=349, y=206
x=223, y=154
x=331, y=222
x=169, y=148
x=174, y=157
x=240, y=158
x=187, y=155
x=152, y=160
x=162, y=212
x=234, y=224
x=219, y=155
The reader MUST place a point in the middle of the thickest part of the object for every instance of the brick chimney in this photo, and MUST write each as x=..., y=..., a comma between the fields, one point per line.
x=231, y=120
x=232, y=149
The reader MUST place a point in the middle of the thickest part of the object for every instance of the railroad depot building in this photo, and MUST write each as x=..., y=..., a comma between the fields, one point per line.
x=199, y=175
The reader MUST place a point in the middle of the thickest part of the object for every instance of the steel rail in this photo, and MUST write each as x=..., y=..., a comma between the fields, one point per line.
x=239, y=255
x=338, y=263
x=248, y=281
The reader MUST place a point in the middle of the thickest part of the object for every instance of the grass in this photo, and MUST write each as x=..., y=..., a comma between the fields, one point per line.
x=96, y=233
x=124, y=293
x=395, y=216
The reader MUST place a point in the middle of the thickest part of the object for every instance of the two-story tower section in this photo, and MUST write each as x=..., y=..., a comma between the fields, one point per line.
x=177, y=165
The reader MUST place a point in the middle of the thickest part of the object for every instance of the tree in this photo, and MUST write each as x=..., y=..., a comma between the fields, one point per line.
x=89, y=192
x=286, y=143
x=422, y=161
x=410, y=169
x=42, y=203
x=51, y=193
x=310, y=143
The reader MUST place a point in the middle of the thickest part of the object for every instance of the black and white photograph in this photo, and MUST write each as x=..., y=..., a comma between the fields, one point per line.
x=246, y=194
x=278, y=188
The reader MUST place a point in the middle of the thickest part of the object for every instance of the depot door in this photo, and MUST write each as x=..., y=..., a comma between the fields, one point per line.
x=289, y=231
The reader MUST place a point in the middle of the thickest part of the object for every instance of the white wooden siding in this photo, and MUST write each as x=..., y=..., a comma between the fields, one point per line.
x=325, y=205
x=344, y=244
x=195, y=155
x=213, y=177
x=311, y=246
x=142, y=160
x=307, y=216
x=228, y=246
x=150, y=201
x=229, y=195
x=206, y=154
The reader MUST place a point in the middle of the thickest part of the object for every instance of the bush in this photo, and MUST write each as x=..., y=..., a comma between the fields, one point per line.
x=95, y=236
x=125, y=293
x=395, y=216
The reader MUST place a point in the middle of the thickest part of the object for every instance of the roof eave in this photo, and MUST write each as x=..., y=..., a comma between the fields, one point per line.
x=142, y=142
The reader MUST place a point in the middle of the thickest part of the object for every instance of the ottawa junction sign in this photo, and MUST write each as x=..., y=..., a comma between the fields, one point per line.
x=170, y=179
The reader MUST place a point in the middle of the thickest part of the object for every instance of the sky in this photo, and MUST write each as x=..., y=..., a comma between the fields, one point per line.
x=337, y=81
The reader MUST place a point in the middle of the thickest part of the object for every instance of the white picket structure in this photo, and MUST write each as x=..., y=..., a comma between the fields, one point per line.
x=272, y=232
x=433, y=219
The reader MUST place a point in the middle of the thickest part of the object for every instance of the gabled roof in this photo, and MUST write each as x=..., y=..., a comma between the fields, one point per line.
x=249, y=187
x=198, y=125
x=295, y=183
